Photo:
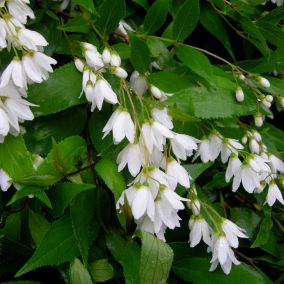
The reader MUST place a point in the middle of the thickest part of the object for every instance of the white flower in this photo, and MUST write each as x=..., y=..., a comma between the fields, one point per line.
x=106, y=55
x=4, y=124
x=232, y=232
x=240, y=96
x=15, y=72
x=31, y=40
x=122, y=29
x=172, y=198
x=162, y=116
x=274, y=194
x=233, y=167
x=254, y=146
x=138, y=83
x=277, y=2
x=4, y=180
x=177, y=171
x=101, y=91
x=93, y=57
x=223, y=254
x=215, y=145
x=79, y=64
x=37, y=66
x=3, y=42
x=204, y=151
x=142, y=202
x=20, y=10
x=89, y=78
x=121, y=125
x=115, y=60
x=258, y=120
x=199, y=229
x=154, y=134
x=228, y=147
x=131, y=156
x=276, y=164
x=183, y=145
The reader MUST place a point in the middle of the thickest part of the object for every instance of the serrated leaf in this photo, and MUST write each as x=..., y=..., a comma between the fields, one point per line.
x=156, y=260
x=196, y=270
x=30, y=190
x=195, y=170
x=15, y=159
x=185, y=19
x=60, y=91
x=62, y=158
x=38, y=226
x=196, y=61
x=57, y=246
x=214, y=24
x=87, y=4
x=62, y=195
x=140, y=54
x=127, y=253
x=75, y=25
x=108, y=171
x=101, y=270
x=78, y=273
x=156, y=16
x=111, y=12
x=82, y=212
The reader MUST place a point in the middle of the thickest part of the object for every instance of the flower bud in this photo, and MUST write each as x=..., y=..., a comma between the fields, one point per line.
x=106, y=55
x=115, y=60
x=269, y=98
x=258, y=120
x=256, y=135
x=79, y=64
x=244, y=139
x=254, y=146
x=240, y=96
x=242, y=77
x=281, y=101
x=120, y=72
x=156, y=92
x=263, y=81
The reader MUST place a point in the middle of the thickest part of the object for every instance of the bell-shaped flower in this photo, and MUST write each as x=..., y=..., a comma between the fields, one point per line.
x=228, y=147
x=20, y=10
x=132, y=156
x=121, y=125
x=93, y=57
x=138, y=83
x=5, y=182
x=199, y=229
x=162, y=116
x=274, y=194
x=233, y=167
x=31, y=40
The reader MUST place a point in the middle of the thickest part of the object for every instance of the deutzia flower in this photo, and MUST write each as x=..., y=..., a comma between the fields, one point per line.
x=31, y=40
x=240, y=96
x=274, y=194
x=183, y=145
x=178, y=172
x=122, y=29
x=4, y=125
x=232, y=232
x=199, y=229
x=93, y=57
x=229, y=146
x=263, y=81
x=20, y=10
x=154, y=134
x=204, y=151
x=275, y=164
x=121, y=125
x=233, y=167
x=131, y=156
x=222, y=254
x=161, y=115
x=138, y=83
x=100, y=92
x=159, y=94
x=4, y=180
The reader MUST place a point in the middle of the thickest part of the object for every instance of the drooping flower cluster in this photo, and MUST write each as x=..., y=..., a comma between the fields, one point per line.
x=29, y=65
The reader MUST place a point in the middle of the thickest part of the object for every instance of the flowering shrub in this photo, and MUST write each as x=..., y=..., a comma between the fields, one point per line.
x=140, y=141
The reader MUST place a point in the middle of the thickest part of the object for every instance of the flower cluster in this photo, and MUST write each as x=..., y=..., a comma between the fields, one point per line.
x=29, y=65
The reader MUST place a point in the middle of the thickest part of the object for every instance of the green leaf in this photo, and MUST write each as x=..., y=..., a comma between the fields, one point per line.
x=57, y=246
x=62, y=158
x=164, y=81
x=195, y=170
x=82, y=212
x=60, y=91
x=140, y=54
x=21, y=282
x=62, y=195
x=108, y=171
x=196, y=270
x=25, y=191
x=196, y=61
x=87, y=4
x=39, y=226
x=111, y=12
x=15, y=159
x=127, y=253
x=156, y=16
x=185, y=19
x=214, y=24
x=78, y=273
x=101, y=270
x=75, y=25
x=42, y=129
x=142, y=3
x=156, y=260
